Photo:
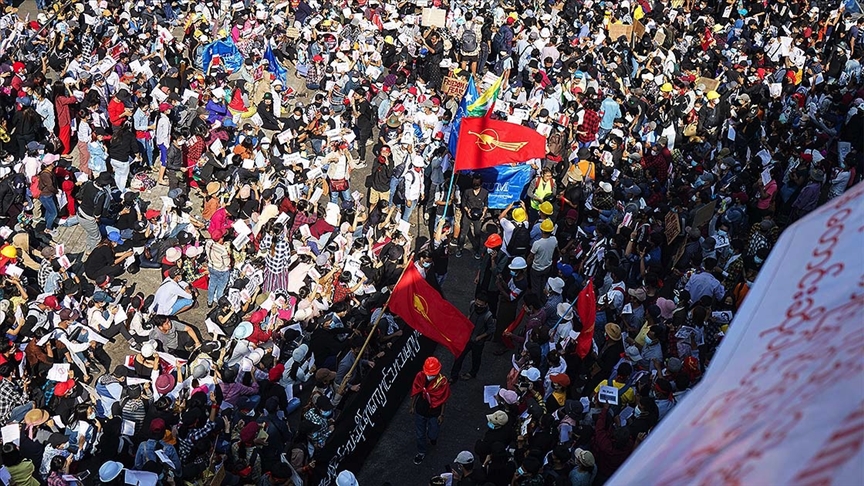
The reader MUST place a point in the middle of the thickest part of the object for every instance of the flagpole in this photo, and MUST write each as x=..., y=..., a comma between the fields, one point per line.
x=345, y=380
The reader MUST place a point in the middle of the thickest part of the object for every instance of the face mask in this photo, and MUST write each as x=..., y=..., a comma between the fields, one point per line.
x=430, y=377
x=693, y=163
x=513, y=273
x=427, y=264
x=648, y=341
x=757, y=260
x=490, y=251
x=637, y=413
x=721, y=232
x=520, y=471
x=296, y=117
x=327, y=413
x=91, y=416
x=490, y=425
x=326, y=117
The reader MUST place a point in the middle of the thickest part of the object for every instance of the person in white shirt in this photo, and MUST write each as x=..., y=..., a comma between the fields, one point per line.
x=163, y=138
x=172, y=298
x=414, y=186
x=541, y=255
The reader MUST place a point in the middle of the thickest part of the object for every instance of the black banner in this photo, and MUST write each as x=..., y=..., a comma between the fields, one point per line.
x=367, y=414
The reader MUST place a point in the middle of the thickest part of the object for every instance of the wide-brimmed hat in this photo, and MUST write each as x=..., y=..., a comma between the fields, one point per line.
x=613, y=331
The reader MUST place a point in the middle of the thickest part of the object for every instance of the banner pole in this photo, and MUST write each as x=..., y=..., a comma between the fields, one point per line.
x=344, y=383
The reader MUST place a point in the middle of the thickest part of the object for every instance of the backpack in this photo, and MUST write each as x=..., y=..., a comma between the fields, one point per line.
x=469, y=41
x=520, y=241
x=34, y=187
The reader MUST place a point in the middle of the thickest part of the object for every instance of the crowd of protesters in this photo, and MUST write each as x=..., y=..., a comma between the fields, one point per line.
x=676, y=155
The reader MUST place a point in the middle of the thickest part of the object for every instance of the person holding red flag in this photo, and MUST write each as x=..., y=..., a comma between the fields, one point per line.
x=429, y=394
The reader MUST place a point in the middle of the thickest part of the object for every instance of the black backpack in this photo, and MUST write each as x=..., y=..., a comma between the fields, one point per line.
x=520, y=241
x=469, y=41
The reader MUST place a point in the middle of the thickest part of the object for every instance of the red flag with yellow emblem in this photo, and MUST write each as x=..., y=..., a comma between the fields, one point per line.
x=484, y=142
x=423, y=308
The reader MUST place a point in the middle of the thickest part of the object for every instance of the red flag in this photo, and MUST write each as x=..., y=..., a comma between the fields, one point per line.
x=586, y=307
x=484, y=142
x=425, y=310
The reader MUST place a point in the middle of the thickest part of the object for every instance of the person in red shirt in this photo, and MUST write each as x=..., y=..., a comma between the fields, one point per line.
x=587, y=130
x=117, y=110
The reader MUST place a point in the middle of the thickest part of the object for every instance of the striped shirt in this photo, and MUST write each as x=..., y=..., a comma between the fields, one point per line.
x=218, y=256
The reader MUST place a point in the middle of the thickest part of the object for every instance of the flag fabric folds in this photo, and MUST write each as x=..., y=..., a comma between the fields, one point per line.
x=484, y=142
x=423, y=308
x=483, y=105
x=274, y=67
x=226, y=50
x=586, y=308
x=469, y=97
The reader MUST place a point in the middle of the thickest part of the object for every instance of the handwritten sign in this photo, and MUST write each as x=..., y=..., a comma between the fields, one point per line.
x=608, y=394
x=673, y=227
x=638, y=29
x=660, y=37
x=704, y=214
x=433, y=17
x=454, y=86
x=620, y=30
x=710, y=84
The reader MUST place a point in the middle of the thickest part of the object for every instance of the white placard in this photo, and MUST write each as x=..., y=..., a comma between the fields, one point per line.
x=489, y=393
x=11, y=434
x=608, y=394
x=59, y=372
x=128, y=428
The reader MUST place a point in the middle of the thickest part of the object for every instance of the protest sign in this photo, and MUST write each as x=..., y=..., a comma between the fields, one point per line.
x=710, y=84
x=433, y=17
x=673, y=227
x=608, y=394
x=367, y=414
x=638, y=29
x=620, y=30
x=453, y=86
x=704, y=214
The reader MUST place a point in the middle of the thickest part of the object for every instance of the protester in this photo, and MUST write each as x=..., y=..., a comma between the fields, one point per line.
x=675, y=156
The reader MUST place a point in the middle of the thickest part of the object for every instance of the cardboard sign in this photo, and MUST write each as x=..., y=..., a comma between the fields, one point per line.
x=620, y=30
x=704, y=214
x=710, y=83
x=453, y=86
x=638, y=29
x=433, y=17
x=292, y=32
x=673, y=227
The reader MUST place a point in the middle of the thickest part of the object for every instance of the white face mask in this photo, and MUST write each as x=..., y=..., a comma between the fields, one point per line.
x=637, y=413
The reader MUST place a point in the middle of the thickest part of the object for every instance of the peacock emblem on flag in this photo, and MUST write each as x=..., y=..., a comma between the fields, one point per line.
x=421, y=307
x=488, y=140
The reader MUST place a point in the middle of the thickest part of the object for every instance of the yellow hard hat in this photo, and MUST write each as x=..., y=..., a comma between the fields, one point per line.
x=546, y=226
x=712, y=95
x=388, y=40
x=546, y=208
x=9, y=251
x=519, y=215
x=666, y=88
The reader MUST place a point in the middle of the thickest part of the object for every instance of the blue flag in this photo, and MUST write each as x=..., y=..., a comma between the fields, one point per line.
x=277, y=69
x=469, y=97
x=227, y=52
x=505, y=183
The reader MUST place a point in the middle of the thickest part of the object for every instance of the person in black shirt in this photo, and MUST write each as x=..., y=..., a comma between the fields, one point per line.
x=475, y=202
x=365, y=117
x=379, y=179
x=104, y=261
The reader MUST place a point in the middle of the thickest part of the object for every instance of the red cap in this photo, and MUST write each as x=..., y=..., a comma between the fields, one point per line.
x=51, y=301
x=413, y=90
x=249, y=432
x=63, y=387
x=164, y=106
x=152, y=213
x=317, y=58
x=275, y=373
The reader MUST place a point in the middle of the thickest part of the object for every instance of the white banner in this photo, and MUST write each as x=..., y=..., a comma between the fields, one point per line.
x=783, y=400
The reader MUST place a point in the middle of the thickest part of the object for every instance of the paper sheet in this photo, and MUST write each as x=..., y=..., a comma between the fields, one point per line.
x=59, y=372
x=5, y=476
x=11, y=434
x=489, y=393
x=128, y=428
x=140, y=478
x=165, y=459
x=241, y=227
x=121, y=316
